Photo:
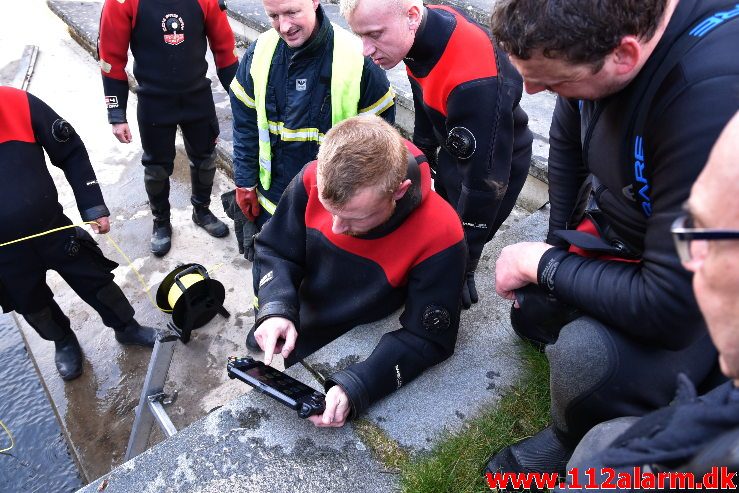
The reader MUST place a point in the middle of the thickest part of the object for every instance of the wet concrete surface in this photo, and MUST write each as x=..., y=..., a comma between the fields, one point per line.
x=96, y=410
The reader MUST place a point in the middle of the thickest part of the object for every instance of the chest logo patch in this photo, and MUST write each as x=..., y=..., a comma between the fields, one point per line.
x=301, y=84
x=174, y=29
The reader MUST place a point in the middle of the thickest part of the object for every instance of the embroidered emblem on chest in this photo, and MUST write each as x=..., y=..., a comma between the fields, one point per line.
x=174, y=29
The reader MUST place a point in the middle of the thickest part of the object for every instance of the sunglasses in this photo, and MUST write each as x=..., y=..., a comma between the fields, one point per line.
x=683, y=233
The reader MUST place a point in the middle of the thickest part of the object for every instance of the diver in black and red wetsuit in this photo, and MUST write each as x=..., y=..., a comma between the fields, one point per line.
x=356, y=235
x=168, y=41
x=466, y=96
x=29, y=206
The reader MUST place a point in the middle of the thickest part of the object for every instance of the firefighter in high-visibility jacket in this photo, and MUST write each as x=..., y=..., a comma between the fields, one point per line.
x=293, y=84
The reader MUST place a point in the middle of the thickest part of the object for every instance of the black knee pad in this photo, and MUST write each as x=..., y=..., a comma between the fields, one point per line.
x=156, y=177
x=50, y=322
x=580, y=361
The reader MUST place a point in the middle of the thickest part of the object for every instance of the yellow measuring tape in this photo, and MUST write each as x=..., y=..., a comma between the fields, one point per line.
x=12, y=442
x=176, y=293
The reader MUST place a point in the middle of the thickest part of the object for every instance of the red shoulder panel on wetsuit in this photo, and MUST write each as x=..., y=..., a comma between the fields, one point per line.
x=117, y=20
x=469, y=55
x=15, y=116
x=399, y=251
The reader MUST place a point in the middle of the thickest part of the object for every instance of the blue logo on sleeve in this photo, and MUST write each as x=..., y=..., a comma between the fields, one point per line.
x=640, y=179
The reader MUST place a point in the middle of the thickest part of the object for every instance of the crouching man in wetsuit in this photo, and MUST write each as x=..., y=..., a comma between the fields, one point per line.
x=693, y=434
x=644, y=90
x=468, y=120
x=29, y=205
x=357, y=234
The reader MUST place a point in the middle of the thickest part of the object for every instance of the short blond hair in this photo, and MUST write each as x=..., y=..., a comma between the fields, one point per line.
x=346, y=7
x=360, y=152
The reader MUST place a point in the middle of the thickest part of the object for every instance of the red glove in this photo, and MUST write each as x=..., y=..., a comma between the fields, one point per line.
x=248, y=202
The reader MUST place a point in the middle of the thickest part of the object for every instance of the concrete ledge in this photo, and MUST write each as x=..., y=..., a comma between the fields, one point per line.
x=253, y=444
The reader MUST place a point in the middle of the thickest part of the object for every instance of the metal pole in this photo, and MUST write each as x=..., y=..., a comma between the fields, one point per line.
x=161, y=357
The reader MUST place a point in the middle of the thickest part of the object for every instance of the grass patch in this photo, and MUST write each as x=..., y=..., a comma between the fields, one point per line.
x=454, y=465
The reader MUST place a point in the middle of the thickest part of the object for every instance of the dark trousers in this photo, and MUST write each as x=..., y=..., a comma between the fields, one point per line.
x=598, y=373
x=79, y=261
x=158, y=119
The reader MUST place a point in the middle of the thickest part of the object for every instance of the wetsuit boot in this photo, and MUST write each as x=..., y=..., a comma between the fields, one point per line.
x=201, y=178
x=52, y=325
x=156, y=182
x=161, y=238
x=68, y=357
x=134, y=334
x=203, y=217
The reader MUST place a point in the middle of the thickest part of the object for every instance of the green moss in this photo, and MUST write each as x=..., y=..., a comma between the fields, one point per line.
x=385, y=449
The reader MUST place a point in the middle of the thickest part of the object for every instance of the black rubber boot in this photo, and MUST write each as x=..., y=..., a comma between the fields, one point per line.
x=68, y=357
x=251, y=341
x=134, y=334
x=543, y=452
x=161, y=238
x=202, y=216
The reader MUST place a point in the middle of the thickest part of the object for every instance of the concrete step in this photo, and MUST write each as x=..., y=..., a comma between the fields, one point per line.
x=248, y=20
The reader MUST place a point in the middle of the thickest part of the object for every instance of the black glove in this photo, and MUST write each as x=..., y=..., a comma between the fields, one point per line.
x=248, y=233
x=469, y=290
x=245, y=229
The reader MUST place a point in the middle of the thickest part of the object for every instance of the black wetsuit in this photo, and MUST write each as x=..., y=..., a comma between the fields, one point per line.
x=168, y=41
x=327, y=284
x=692, y=434
x=472, y=111
x=642, y=313
x=30, y=205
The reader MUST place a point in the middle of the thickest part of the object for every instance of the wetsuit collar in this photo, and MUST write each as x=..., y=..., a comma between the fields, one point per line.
x=431, y=39
x=403, y=207
x=684, y=13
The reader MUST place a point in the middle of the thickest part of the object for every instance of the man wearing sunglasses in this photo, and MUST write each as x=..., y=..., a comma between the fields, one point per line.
x=693, y=434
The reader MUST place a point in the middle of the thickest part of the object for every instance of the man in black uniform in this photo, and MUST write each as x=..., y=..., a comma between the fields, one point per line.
x=357, y=234
x=692, y=434
x=30, y=206
x=168, y=41
x=645, y=88
x=466, y=96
